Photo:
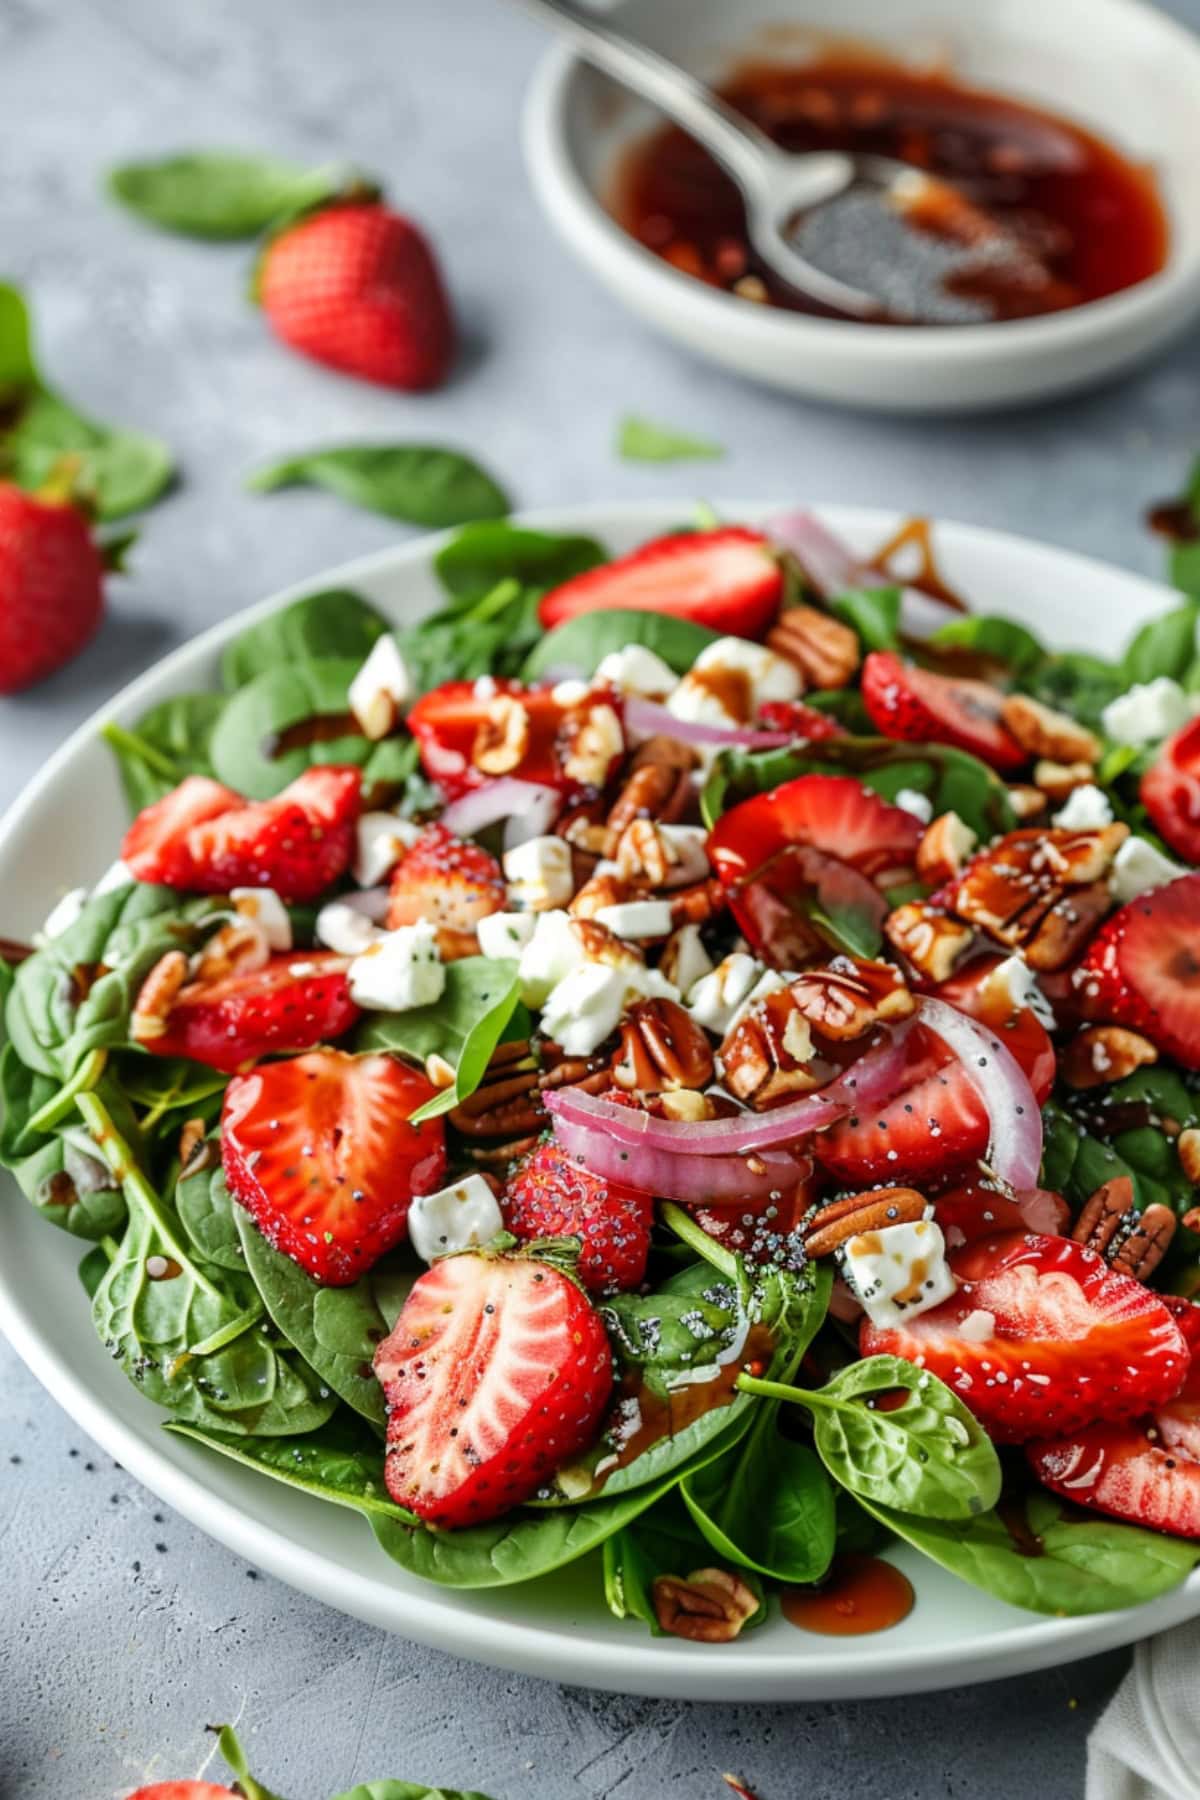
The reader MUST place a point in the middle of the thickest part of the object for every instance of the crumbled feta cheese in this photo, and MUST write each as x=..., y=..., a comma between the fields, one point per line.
x=62, y=915
x=345, y=928
x=695, y=703
x=1087, y=809
x=717, y=997
x=381, y=689
x=454, y=1218
x=649, y=984
x=585, y=1007
x=898, y=1271
x=637, y=918
x=1149, y=711
x=117, y=875
x=768, y=677
x=539, y=874
x=687, y=850
x=1138, y=867
x=1015, y=985
x=400, y=970
x=569, y=692
x=486, y=688
x=919, y=805
x=979, y=1327
x=268, y=912
x=686, y=959
x=380, y=841
x=636, y=670
x=551, y=953
x=504, y=934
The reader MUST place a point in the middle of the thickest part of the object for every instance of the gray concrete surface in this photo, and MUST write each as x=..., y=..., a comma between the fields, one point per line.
x=122, y=1630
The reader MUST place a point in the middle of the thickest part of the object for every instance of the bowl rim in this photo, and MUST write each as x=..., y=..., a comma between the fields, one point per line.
x=427, y=1613
x=574, y=207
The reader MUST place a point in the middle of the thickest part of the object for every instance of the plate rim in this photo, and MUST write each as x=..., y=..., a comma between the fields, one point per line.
x=651, y=1666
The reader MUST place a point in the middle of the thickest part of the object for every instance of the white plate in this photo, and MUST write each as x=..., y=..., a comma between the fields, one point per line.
x=64, y=832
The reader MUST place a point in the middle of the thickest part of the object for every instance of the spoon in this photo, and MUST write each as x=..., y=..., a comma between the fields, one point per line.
x=775, y=184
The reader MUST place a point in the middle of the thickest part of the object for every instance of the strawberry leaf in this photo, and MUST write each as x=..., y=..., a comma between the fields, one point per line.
x=219, y=193
x=417, y=483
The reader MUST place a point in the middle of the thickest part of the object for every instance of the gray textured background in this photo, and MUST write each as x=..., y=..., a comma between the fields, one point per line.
x=122, y=1630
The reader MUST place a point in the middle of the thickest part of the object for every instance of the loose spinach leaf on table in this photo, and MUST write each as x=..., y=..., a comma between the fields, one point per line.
x=581, y=644
x=167, y=744
x=481, y=555
x=641, y=440
x=663, y=1541
x=251, y=754
x=217, y=194
x=334, y=622
x=420, y=484
x=476, y=986
x=235, y=1756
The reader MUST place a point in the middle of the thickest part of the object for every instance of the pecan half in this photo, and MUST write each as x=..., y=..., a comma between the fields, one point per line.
x=697, y=904
x=1043, y=732
x=1058, y=780
x=156, y=997
x=643, y=855
x=1026, y=800
x=1040, y=890
x=1131, y=1241
x=842, y=1220
x=944, y=849
x=1101, y=1054
x=502, y=736
x=1146, y=1244
x=825, y=651
x=598, y=891
x=846, y=999
x=767, y=1053
x=710, y=1606
x=661, y=1048
x=927, y=937
x=659, y=786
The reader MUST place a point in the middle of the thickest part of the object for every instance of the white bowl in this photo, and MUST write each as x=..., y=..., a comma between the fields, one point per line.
x=1115, y=65
x=62, y=833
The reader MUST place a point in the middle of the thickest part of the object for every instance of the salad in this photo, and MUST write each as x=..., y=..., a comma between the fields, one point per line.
x=691, y=1056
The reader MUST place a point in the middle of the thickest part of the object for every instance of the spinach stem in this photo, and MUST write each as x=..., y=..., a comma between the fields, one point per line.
x=495, y=600
x=225, y=1334
x=697, y=1239
x=59, y=1105
x=780, y=1390
x=118, y=738
x=137, y=1189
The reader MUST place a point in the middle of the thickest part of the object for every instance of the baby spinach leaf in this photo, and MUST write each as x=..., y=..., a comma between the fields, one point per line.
x=235, y=1756
x=60, y=1174
x=210, y=193
x=1077, y=683
x=206, y=1210
x=1183, y=567
x=1163, y=646
x=766, y=1504
x=341, y=1462
x=500, y=1020
x=1073, y=1565
x=996, y=639
x=874, y=613
x=475, y=986
x=93, y=1267
x=168, y=743
x=663, y=1541
x=481, y=555
x=404, y=1790
x=581, y=644
x=490, y=635
x=418, y=483
x=641, y=440
x=294, y=716
x=334, y=622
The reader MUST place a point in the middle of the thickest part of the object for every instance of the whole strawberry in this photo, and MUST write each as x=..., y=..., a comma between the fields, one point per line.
x=357, y=287
x=51, y=586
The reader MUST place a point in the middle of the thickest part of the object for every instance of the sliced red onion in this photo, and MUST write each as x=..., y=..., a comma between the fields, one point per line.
x=527, y=807
x=751, y=1179
x=1015, y=1146
x=831, y=567
x=644, y=717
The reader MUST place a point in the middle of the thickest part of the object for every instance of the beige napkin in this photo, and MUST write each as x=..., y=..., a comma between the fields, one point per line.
x=1146, y=1745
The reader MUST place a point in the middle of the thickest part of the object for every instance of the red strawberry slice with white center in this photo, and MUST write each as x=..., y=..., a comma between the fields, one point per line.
x=549, y=1195
x=1170, y=792
x=319, y=1150
x=1042, y=1336
x=449, y=881
x=1146, y=1471
x=919, y=707
x=938, y=1125
x=205, y=839
x=1142, y=969
x=497, y=1373
x=728, y=580
x=291, y=1003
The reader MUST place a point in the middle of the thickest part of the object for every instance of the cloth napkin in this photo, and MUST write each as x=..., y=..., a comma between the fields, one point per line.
x=1146, y=1745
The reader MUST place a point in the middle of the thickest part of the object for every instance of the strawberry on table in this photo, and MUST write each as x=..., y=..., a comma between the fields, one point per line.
x=498, y=1371
x=319, y=1150
x=205, y=839
x=290, y=1003
x=182, y=1790
x=1142, y=969
x=728, y=580
x=1170, y=792
x=449, y=881
x=357, y=287
x=550, y=1195
x=1042, y=1337
x=51, y=586
x=920, y=707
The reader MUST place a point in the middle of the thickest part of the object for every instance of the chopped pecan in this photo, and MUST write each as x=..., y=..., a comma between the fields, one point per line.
x=1146, y=1244
x=602, y=945
x=1045, y=733
x=584, y=828
x=927, y=937
x=767, y=1052
x=156, y=997
x=643, y=854
x=710, y=1606
x=844, y=1219
x=696, y=904
x=658, y=787
x=1131, y=1241
x=1100, y=1054
x=1026, y=800
x=944, y=849
x=601, y=889
x=238, y=946
x=1188, y=1147
x=661, y=1049
x=590, y=739
x=1066, y=927
x=687, y=1105
x=502, y=736
x=1041, y=890
x=825, y=651
x=1058, y=781
x=846, y=999
x=190, y=1138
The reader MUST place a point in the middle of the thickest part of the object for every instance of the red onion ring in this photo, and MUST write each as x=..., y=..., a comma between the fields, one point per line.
x=832, y=568
x=676, y=1174
x=657, y=721
x=1014, y=1151
x=528, y=807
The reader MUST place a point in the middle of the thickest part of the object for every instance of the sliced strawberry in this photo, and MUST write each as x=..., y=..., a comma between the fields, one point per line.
x=182, y=1790
x=920, y=707
x=549, y=1195
x=1042, y=1336
x=1142, y=969
x=451, y=882
x=1170, y=791
x=728, y=580
x=1145, y=1470
x=800, y=720
x=497, y=1373
x=203, y=838
x=938, y=1125
x=291, y=1003
x=772, y=1235
x=320, y=1152
x=977, y=1210
x=816, y=845
x=468, y=734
